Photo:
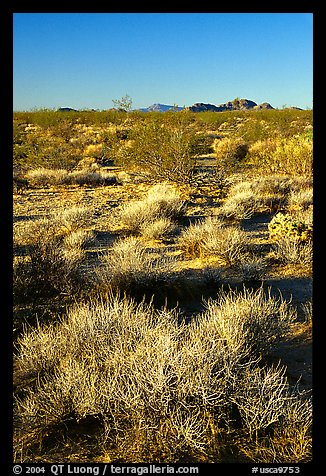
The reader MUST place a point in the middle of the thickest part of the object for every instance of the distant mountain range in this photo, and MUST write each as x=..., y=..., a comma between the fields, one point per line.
x=235, y=105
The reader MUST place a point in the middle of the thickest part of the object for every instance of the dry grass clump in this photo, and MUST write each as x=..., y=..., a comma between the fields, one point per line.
x=54, y=251
x=293, y=252
x=48, y=269
x=239, y=205
x=89, y=175
x=157, y=229
x=211, y=237
x=266, y=194
x=152, y=217
x=130, y=266
x=155, y=388
x=252, y=267
x=72, y=218
x=300, y=199
x=288, y=414
x=43, y=176
x=251, y=320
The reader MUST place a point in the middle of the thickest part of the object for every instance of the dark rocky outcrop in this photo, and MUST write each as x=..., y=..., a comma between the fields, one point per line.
x=264, y=105
x=235, y=105
x=200, y=106
x=238, y=105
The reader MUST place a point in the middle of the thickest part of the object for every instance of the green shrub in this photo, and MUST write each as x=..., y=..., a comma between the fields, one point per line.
x=230, y=150
x=288, y=155
x=285, y=225
x=161, y=151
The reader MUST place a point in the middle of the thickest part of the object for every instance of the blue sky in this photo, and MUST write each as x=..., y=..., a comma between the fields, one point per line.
x=84, y=60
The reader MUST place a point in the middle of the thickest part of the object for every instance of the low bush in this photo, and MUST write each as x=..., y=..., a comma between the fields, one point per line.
x=269, y=405
x=130, y=266
x=54, y=250
x=230, y=150
x=162, y=151
x=212, y=238
x=287, y=226
x=154, y=387
x=288, y=155
x=240, y=205
x=163, y=202
x=156, y=229
x=291, y=251
x=85, y=176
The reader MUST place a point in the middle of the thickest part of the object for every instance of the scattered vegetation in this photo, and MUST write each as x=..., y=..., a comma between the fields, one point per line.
x=212, y=209
x=152, y=217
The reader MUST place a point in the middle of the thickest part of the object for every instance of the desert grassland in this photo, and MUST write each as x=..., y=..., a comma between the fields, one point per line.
x=163, y=286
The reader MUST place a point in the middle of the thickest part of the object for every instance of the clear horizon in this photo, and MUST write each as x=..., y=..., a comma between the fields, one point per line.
x=86, y=60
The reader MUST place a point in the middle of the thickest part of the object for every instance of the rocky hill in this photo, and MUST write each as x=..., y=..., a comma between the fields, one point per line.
x=235, y=105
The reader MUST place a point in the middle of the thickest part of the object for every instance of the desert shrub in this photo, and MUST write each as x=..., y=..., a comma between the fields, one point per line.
x=137, y=214
x=46, y=147
x=78, y=239
x=307, y=309
x=287, y=226
x=274, y=185
x=163, y=202
x=48, y=270
x=72, y=218
x=90, y=177
x=289, y=155
x=116, y=364
x=130, y=266
x=291, y=251
x=168, y=199
x=191, y=239
x=266, y=404
x=240, y=204
x=156, y=229
x=292, y=240
x=251, y=321
x=93, y=151
x=160, y=150
x=300, y=199
x=54, y=251
x=251, y=267
x=261, y=397
x=42, y=176
x=230, y=150
x=212, y=238
x=260, y=151
x=88, y=163
x=84, y=176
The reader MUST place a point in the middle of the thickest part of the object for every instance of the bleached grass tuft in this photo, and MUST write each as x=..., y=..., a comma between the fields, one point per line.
x=212, y=238
x=163, y=202
x=124, y=363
